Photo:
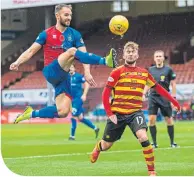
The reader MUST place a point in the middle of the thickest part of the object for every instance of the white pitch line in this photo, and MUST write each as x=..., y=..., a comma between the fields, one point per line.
x=87, y=153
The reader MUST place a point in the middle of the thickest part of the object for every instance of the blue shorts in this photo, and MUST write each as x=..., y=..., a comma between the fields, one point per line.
x=59, y=78
x=77, y=107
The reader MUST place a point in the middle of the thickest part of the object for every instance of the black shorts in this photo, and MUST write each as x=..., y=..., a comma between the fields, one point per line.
x=156, y=102
x=135, y=121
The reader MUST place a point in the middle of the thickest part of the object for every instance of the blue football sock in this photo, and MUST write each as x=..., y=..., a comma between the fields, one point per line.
x=47, y=112
x=73, y=126
x=88, y=123
x=89, y=58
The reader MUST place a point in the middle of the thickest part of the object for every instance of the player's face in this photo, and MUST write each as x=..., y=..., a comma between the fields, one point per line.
x=130, y=55
x=159, y=57
x=64, y=16
x=72, y=69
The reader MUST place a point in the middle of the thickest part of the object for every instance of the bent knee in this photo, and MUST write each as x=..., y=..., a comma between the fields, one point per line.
x=142, y=138
x=63, y=112
x=71, y=51
x=152, y=120
x=169, y=121
x=142, y=135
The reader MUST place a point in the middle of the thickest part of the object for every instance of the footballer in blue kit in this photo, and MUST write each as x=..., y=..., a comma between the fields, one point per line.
x=79, y=96
x=61, y=46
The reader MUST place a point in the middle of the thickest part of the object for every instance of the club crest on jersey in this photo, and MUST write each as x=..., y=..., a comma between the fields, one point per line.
x=69, y=38
x=162, y=78
x=139, y=74
x=61, y=38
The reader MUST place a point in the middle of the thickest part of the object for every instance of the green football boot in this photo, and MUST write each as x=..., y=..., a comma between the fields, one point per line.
x=25, y=115
x=111, y=59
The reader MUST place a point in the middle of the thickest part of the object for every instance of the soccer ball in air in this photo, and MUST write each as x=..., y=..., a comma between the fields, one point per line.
x=118, y=25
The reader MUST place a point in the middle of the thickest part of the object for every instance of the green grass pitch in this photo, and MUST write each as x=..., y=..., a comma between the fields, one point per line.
x=44, y=150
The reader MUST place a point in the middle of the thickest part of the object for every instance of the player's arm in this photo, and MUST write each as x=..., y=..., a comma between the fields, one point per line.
x=28, y=54
x=112, y=80
x=87, y=74
x=85, y=92
x=86, y=66
x=25, y=56
x=145, y=92
x=159, y=89
x=79, y=44
x=173, y=83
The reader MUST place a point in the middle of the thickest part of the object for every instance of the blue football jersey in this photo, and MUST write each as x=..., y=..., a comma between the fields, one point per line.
x=54, y=42
x=76, y=85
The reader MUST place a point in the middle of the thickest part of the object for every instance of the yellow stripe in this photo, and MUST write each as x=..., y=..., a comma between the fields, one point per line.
x=139, y=81
x=125, y=111
x=148, y=155
x=128, y=97
x=148, y=148
x=126, y=103
x=150, y=83
x=150, y=162
x=117, y=88
x=134, y=74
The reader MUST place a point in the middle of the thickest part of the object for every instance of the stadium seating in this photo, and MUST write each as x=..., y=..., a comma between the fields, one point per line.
x=158, y=32
x=184, y=72
x=9, y=78
x=33, y=81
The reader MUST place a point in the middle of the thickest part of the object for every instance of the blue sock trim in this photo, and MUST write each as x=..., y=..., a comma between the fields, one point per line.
x=35, y=114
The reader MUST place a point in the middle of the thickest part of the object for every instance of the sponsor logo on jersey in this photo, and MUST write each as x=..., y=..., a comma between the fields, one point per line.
x=69, y=38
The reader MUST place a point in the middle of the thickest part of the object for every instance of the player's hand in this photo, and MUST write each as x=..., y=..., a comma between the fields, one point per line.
x=113, y=118
x=178, y=109
x=90, y=80
x=83, y=98
x=14, y=66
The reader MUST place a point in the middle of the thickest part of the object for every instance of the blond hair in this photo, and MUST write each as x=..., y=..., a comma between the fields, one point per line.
x=132, y=45
x=60, y=6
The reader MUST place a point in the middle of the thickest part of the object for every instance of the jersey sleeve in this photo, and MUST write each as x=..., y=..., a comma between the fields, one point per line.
x=41, y=39
x=78, y=40
x=150, y=81
x=113, y=78
x=172, y=74
x=82, y=78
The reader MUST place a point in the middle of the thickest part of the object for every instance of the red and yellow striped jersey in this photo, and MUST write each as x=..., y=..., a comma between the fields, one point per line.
x=128, y=84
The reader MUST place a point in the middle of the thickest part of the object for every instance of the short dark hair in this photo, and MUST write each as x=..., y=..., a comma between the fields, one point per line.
x=60, y=6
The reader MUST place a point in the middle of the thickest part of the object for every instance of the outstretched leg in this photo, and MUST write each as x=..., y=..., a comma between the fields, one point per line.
x=87, y=58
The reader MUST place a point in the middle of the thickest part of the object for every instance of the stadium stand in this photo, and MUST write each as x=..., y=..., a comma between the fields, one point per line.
x=9, y=78
x=153, y=32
